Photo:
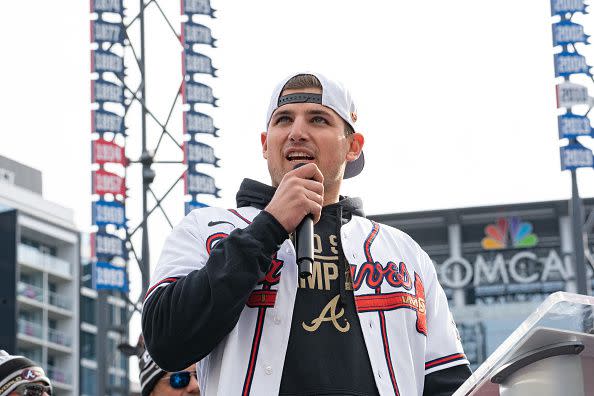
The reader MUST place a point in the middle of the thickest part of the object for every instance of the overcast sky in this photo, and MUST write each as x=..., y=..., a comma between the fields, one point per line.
x=456, y=99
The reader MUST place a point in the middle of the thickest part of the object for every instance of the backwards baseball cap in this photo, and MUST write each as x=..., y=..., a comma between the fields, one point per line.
x=150, y=373
x=18, y=370
x=334, y=96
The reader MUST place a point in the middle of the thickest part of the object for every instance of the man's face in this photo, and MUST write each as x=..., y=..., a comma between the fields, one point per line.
x=33, y=389
x=163, y=387
x=307, y=132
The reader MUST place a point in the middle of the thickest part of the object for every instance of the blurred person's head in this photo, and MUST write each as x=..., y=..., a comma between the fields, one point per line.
x=19, y=376
x=156, y=382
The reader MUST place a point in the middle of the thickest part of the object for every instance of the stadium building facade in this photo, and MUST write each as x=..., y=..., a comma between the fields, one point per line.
x=497, y=263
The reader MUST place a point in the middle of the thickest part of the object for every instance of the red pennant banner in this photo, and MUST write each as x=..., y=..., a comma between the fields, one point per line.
x=108, y=152
x=108, y=183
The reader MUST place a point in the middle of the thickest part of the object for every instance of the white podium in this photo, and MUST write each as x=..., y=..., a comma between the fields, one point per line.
x=550, y=353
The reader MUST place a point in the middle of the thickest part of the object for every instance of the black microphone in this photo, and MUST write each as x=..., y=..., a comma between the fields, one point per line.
x=304, y=243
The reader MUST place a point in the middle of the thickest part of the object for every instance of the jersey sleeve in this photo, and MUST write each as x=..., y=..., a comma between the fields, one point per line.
x=444, y=347
x=201, y=285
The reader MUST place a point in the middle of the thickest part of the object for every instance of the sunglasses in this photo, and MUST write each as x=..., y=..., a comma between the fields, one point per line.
x=33, y=390
x=180, y=379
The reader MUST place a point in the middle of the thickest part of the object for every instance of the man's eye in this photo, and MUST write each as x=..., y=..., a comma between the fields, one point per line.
x=319, y=120
x=283, y=119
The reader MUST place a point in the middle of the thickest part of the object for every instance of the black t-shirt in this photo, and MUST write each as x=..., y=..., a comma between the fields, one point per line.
x=326, y=354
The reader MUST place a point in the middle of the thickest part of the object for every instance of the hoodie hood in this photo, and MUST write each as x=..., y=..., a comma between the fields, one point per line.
x=258, y=195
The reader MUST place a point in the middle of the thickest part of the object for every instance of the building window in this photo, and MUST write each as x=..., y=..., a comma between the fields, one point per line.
x=87, y=310
x=88, y=381
x=88, y=345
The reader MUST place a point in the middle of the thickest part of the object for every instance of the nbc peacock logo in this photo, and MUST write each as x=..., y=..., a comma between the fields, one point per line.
x=509, y=232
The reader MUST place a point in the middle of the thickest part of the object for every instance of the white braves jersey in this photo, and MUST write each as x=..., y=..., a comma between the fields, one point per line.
x=403, y=311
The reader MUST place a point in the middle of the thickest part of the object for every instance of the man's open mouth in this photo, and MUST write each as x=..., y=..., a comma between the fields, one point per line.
x=299, y=156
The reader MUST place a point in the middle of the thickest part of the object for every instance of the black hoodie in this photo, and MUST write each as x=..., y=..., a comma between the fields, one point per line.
x=326, y=352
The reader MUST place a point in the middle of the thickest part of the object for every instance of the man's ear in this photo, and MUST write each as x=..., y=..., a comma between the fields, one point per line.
x=355, y=146
x=263, y=137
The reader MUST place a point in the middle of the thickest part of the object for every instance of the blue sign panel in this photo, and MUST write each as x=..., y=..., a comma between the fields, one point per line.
x=568, y=63
x=109, y=277
x=190, y=206
x=104, y=91
x=106, y=121
x=200, y=153
x=116, y=6
x=198, y=63
x=572, y=125
x=197, y=7
x=106, y=61
x=199, y=93
x=575, y=156
x=195, y=122
x=561, y=7
x=105, y=213
x=107, y=32
x=566, y=32
x=199, y=183
x=107, y=246
x=195, y=33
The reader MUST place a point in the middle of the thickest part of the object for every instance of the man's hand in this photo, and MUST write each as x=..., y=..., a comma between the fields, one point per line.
x=300, y=192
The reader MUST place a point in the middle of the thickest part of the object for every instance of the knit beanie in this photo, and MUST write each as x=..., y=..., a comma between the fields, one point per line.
x=17, y=370
x=150, y=373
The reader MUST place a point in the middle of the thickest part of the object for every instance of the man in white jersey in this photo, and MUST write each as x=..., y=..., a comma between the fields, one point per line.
x=372, y=318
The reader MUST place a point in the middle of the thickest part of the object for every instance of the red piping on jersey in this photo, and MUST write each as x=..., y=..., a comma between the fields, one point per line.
x=166, y=280
x=236, y=213
x=444, y=360
x=249, y=376
x=367, y=248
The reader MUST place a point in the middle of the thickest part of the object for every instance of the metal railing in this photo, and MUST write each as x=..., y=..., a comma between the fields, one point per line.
x=32, y=256
x=59, y=300
x=59, y=337
x=30, y=291
x=31, y=329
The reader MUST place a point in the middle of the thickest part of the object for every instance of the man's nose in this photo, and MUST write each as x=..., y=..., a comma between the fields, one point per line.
x=193, y=388
x=299, y=131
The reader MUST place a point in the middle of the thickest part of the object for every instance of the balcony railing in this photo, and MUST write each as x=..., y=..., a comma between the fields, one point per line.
x=30, y=291
x=58, y=337
x=32, y=256
x=31, y=329
x=59, y=300
x=58, y=375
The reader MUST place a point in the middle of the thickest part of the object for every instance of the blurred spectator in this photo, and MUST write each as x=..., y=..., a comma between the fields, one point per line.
x=156, y=382
x=19, y=376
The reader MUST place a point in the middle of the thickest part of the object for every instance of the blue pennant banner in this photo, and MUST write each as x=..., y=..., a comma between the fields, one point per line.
x=198, y=63
x=106, y=61
x=198, y=93
x=107, y=32
x=566, y=32
x=106, y=246
x=573, y=125
x=195, y=33
x=190, y=206
x=107, y=276
x=105, y=213
x=568, y=63
x=196, y=122
x=99, y=6
x=562, y=7
x=199, y=183
x=104, y=91
x=200, y=153
x=197, y=7
x=106, y=121
x=575, y=156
